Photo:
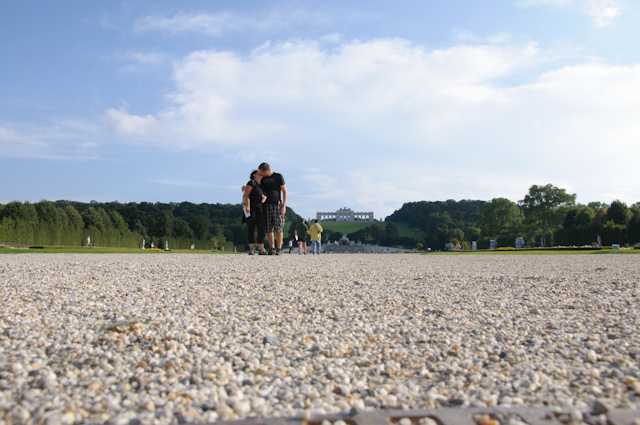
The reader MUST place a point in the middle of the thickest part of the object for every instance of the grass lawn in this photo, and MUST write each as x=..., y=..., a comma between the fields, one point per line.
x=549, y=251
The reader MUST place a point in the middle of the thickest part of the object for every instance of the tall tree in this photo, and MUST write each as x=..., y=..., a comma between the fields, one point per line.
x=634, y=224
x=48, y=223
x=619, y=213
x=392, y=231
x=181, y=228
x=93, y=219
x=118, y=222
x=20, y=220
x=499, y=217
x=73, y=233
x=164, y=224
x=200, y=226
x=545, y=207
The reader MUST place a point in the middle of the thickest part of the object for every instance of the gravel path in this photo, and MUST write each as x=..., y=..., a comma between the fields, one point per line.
x=200, y=338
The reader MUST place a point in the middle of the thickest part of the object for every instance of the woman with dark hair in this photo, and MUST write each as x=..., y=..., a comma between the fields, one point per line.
x=253, y=199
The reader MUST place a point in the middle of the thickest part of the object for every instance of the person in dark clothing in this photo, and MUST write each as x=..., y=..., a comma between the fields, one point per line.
x=275, y=206
x=301, y=233
x=254, y=199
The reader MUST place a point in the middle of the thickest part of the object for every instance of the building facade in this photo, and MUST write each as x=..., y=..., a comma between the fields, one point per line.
x=345, y=215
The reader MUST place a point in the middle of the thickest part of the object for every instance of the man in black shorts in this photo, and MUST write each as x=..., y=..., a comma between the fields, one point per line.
x=275, y=206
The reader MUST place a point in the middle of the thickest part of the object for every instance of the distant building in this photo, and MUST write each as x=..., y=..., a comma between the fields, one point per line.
x=346, y=215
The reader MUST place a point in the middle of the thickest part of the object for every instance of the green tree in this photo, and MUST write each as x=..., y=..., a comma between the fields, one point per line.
x=48, y=231
x=331, y=235
x=578, y=227
x=500, y=217
x=437, y=227
x=216, y=230
x=598, y=206
x=578, y=217
x=93, y=219
x=132, y=215
x=392, y=231
x=455, y=236
x=106, y=219
x=118, y=222
x=200, y=226
x=545, y=207
x=164, y=224
x=19, y=222
x=634, y=225
x=619, y=213
x=181, y=228
x=73, y=232
x=472, y=233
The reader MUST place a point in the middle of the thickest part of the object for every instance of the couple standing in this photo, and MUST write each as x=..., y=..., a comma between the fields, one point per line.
x=265, y=197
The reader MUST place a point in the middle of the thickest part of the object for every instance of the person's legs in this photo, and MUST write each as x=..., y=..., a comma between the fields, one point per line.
x=279, y=229
x=261, y=223
x=272, y=222
x=251, y=227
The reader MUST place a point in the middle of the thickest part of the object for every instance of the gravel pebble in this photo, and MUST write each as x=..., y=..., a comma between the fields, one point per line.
x=160, y=339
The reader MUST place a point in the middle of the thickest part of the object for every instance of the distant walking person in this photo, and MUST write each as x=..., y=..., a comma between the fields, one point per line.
x=315, y=230
x=276, y=206
x=301, y=233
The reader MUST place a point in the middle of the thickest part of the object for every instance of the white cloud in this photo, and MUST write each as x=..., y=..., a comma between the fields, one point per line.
x=124, y=124
x=209, y=24
x=283, y=17
x=602, y=12
x=390, y=115
x=137, y=62
x=283, y=90
x=63, y=141
x=184, y=183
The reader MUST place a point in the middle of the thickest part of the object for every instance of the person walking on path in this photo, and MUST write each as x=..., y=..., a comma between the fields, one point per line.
x=253, y=201
x=301, y=233
x=315, y=231
x=275, y=207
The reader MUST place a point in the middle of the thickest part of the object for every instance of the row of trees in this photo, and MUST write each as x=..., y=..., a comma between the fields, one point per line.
x=546, y=215
x=442, y=221
x=550, y=215
x=65, y=223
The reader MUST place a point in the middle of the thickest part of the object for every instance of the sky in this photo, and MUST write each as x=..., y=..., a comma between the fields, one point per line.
x=364, y=104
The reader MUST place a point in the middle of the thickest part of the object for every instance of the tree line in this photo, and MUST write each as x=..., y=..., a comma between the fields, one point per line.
x=546, y=215
x=67, y=223
x=114, y=224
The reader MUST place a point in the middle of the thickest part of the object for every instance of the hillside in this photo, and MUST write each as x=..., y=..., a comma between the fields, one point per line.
x=347, y=228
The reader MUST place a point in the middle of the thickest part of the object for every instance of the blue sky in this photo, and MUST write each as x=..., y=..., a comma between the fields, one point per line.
x=363, y=104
